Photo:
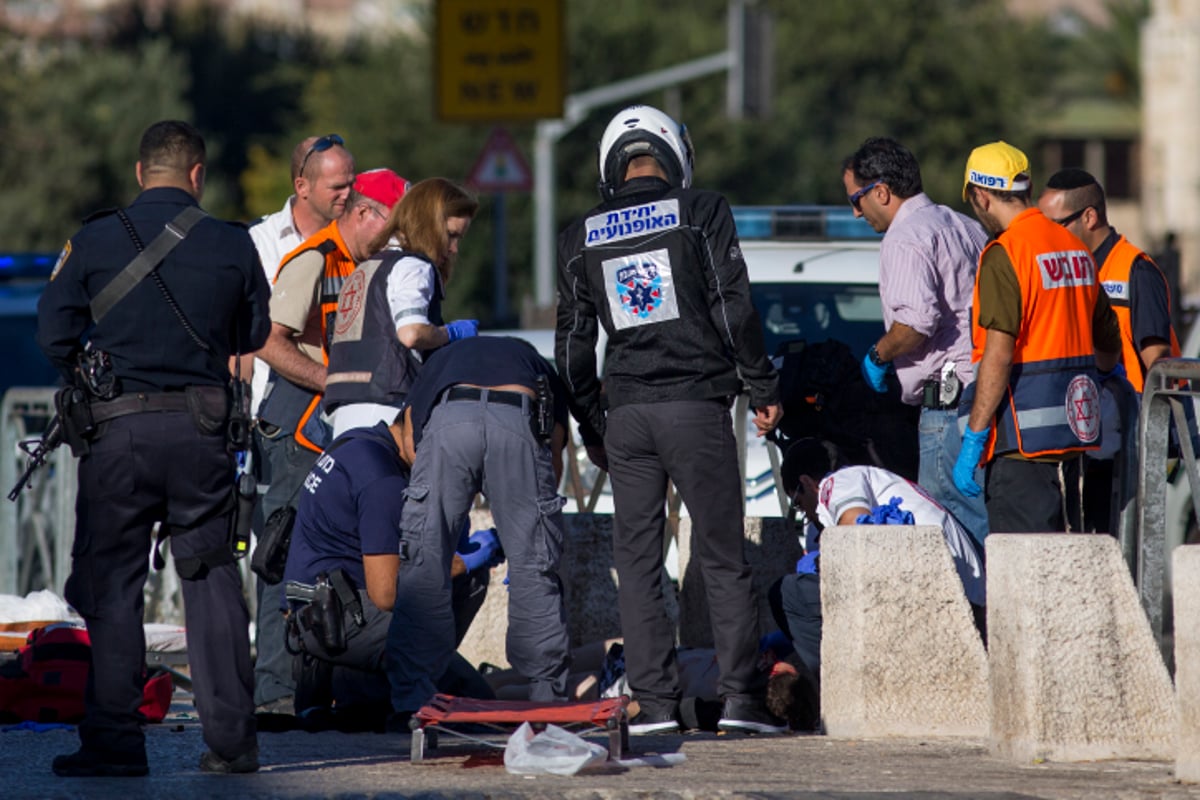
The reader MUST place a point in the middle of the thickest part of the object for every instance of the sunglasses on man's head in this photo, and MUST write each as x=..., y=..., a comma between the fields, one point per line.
x=320, y=146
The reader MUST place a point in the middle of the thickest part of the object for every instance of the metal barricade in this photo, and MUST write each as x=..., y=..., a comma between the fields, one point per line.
x=1149, y=543
x=36, y=530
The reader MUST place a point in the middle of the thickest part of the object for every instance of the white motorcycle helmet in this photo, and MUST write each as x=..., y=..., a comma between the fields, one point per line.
x=644, y=131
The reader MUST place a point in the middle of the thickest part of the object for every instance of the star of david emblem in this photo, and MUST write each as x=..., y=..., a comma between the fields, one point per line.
x=640, y=289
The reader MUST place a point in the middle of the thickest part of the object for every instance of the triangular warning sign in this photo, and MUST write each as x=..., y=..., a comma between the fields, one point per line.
x=501, y=167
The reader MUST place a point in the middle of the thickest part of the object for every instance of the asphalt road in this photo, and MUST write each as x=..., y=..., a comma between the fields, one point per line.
x=310, y=765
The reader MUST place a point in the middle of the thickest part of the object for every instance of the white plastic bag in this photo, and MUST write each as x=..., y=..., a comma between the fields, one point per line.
x=554, y=751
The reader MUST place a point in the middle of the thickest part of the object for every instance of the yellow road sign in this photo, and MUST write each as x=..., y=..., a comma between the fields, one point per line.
x=499, y=60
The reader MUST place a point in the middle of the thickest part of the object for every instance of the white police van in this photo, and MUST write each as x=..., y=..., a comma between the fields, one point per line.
x=814, y=275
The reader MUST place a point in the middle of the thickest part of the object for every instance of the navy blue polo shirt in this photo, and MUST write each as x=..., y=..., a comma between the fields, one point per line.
x=349, y=506
x=481, y=361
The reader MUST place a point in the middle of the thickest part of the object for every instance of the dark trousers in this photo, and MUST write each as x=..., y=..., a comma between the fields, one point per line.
x=1032, y=496
x=691, y=443
x=796, y=606
x=288, y=464
x=134, y=477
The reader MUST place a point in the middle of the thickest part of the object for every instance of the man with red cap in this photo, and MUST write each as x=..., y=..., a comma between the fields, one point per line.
x=304, y=303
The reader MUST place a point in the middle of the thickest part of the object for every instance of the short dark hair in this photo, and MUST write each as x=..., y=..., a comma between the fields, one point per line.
x=171, y=145
x=795, y=696
x=1082, y=190
x=882, y=158
x=813, y=457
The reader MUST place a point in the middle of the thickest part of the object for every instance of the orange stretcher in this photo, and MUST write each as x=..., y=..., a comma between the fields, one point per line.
x=445, y=710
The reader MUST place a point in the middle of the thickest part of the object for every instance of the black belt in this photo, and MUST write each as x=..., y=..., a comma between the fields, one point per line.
x=138, y=403
x=493, y=396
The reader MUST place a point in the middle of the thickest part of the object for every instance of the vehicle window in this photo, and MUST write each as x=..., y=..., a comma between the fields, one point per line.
x=22, y=278
x=819, y=311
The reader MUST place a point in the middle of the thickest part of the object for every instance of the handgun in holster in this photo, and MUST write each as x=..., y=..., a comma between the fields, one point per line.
x=75, y=411
x=321, y=619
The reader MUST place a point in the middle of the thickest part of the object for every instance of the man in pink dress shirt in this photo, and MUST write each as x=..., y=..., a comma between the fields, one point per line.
x=927, y=267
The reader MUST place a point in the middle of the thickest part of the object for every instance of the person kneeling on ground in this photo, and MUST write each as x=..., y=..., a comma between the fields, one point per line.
x=341, y=582
x=831, y=494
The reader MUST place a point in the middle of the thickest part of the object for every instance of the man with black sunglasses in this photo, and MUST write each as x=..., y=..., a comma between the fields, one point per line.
x=1135, y=286
x=926, y=275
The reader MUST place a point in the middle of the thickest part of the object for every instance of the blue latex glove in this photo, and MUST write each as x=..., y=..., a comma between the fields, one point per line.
x=462, y=328
x=973, y=443
x=481, y=547
x=809, y=564
x=889, y=514
x=875, y=375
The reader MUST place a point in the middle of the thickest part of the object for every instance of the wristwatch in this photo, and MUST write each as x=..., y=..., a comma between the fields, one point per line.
x=873, y=354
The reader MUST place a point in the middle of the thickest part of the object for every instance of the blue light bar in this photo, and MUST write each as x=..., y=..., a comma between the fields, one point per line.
x=26, y=265
x=814, y=223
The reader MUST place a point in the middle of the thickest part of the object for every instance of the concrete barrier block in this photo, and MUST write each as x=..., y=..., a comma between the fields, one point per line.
x=771, y=548
x=1075, y=672
x=900, y=654
x=589, y=586
x=1185, y=565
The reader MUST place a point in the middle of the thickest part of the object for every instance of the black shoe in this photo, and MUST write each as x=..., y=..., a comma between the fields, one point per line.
x=698, y=714
x=85, y=764
x=246, y=762
x=652, y=719
x=749, y=715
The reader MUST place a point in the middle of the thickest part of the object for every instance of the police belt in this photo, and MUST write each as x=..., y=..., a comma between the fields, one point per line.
x=493, y=396
x=141, y=402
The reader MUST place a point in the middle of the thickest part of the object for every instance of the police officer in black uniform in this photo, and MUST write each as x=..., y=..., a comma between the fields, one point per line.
x=157, y=452
x=659, y=266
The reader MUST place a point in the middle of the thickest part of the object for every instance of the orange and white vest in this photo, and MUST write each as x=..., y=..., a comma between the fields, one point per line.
x=303, y=413
x=1114, y=277
x=1052, y=405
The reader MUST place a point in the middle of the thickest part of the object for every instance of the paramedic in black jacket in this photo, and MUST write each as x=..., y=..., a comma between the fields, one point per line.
x=659, y=266
x=159, y=454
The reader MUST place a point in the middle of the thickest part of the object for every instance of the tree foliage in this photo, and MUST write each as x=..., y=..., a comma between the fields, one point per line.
x=72, y=133
x=940, y=75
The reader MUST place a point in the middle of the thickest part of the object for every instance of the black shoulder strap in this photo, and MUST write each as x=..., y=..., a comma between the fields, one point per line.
x=173, y=233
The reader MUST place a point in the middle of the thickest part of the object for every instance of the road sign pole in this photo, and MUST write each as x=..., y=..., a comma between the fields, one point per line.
x=500, y=252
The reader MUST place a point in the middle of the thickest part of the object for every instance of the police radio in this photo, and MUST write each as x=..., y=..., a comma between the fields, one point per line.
x=544, y=415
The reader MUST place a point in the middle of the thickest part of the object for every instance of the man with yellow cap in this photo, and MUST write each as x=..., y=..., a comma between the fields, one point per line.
x=1044, y=338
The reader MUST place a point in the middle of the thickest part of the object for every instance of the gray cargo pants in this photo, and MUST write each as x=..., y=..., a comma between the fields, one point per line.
x=471, y=446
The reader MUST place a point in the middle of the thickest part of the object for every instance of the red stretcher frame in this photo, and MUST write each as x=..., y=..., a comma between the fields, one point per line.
x=608, y=713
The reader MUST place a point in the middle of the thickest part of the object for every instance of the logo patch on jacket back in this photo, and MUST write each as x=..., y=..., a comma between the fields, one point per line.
x=625, y=223
x=640, y=290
